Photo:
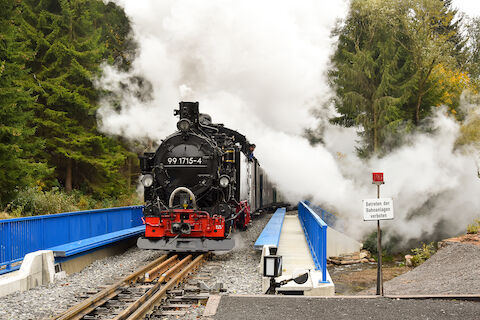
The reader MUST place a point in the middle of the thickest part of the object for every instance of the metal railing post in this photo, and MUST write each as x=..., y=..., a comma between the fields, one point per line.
x=8, y=246
x=20, y=236
x=324, y=254
x=316, y=233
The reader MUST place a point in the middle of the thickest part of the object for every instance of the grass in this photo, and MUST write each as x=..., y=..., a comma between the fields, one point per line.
x=34, y=201
x=5, y=215
x=474, y=228
x=422, y=254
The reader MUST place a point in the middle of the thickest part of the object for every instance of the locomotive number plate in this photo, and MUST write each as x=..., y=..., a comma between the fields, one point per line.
x=185, y=162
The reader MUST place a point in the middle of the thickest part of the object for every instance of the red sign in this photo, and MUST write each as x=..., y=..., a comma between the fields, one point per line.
x=377, y=176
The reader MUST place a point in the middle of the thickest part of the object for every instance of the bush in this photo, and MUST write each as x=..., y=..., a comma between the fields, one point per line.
x=389, y=245
x=422, y=254
x=33, y=201
x=4, y=215
x=474, y=227
x=370, y=243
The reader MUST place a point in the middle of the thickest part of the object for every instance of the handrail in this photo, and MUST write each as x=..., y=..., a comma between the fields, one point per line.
x=64, y=214
x=316, y=234
x=20, y=236
x=331, y=220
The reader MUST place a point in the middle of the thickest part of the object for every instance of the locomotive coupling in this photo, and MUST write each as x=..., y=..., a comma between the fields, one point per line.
x=182, y=227
x=185, y=228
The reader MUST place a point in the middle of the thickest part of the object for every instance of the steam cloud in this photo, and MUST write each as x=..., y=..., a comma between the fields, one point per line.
x=259, y=67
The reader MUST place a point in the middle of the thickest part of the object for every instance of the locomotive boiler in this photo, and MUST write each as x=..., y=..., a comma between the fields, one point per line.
x=192, y=186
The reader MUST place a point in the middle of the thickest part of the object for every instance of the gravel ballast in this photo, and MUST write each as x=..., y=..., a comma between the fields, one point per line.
x=454, y=269
x=237, y=270
x=47, y=301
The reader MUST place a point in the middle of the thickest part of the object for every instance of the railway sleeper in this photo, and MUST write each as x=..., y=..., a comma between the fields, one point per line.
x=176, y=305
x=175, y=292
x=170, y=313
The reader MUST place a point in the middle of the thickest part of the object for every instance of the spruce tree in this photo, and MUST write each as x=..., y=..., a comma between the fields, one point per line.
x=18, y=143
x=395, y=61
x=368, y=74
x=68, y=38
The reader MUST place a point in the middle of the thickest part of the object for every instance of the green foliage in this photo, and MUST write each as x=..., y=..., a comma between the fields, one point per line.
x=17, y=140
x=33, y=201
x=370, y=243
x=474, y=227
x=387, y=70
x=388, y=248
x=420, y=255
x=71, y=39
x=473, y=44
x=50, y=54
x=470, y=132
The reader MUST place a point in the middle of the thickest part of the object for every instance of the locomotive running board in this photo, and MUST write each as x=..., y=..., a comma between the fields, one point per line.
x=186, y=244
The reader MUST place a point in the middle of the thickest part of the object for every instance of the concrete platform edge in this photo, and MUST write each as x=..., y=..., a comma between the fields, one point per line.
x=38, y=268
x=401, y=297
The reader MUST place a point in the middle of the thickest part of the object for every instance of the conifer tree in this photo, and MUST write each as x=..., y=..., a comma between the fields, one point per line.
x=17, y=141
x=68, y=38
x=431, y=37
x=387, y=69
x=473, y=49
x=369, y=72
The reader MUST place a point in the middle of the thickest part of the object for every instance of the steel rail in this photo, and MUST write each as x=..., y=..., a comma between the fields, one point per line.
x=149, y=304
x=147, y=295
x=79, y=310
x=152, y=273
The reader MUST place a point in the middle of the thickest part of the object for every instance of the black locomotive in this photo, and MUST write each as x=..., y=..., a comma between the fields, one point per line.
x=192, y=186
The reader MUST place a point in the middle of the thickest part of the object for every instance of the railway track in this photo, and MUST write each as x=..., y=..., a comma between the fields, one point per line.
x=138, y=294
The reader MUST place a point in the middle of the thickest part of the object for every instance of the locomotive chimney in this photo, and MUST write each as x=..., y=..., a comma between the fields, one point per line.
x=188, y=110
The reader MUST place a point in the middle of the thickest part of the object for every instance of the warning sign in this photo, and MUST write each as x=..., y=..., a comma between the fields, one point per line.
x=378, y=209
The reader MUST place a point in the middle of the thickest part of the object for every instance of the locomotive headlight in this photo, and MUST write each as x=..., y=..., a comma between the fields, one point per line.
x=184, y=125
x=147, y=180
x=224, y=181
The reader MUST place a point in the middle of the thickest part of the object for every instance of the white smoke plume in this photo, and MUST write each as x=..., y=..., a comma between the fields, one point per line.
x=260, y=67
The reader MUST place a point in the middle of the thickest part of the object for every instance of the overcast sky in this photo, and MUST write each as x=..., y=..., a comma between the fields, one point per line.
x=470, y=7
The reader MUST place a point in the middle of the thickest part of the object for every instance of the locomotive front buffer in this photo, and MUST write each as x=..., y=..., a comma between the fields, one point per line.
x=185, y=230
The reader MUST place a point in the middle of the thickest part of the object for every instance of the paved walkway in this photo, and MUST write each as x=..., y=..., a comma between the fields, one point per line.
x=335, y=308
x=293, y=246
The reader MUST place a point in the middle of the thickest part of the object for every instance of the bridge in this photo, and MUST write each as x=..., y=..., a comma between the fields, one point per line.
x=33, y=250
x=304, y=241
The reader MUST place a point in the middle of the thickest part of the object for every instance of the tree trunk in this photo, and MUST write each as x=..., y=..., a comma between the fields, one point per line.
x=129, y=172
x=375, y=131
x=68, y=176
x=422, y=91
x=419, y=103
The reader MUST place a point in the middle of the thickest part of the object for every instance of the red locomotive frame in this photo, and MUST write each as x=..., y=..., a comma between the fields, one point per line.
x=200, y=223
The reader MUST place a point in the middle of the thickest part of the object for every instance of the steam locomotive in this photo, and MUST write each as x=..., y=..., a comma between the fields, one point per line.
x=201, y=183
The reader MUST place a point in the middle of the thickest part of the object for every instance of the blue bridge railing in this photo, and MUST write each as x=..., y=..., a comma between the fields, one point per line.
x=24, y=235
x=330, y=219
x=316, y=234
